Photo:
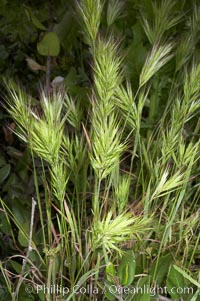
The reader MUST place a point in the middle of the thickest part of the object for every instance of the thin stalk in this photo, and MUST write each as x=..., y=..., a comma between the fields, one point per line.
x=48, y=208
x=194, y=250
x=96, y=198
x=39, y=201
x=21, y=278
x=49, y=275
x=7, y=282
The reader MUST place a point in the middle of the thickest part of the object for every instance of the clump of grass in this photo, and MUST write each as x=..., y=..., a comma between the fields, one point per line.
x=111, y=231
x=96, y=201
x=158, y=57
x=114, y=11
x=91, y=16
x=162, y=18
x=106, y=147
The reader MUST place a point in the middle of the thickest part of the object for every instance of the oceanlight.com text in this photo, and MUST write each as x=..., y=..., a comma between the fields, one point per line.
x=152, y=291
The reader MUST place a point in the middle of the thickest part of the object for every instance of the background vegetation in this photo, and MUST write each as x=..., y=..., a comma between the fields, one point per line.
x=100, y=185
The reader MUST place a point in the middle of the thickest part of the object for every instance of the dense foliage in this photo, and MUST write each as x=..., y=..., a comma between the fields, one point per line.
x=100, y=185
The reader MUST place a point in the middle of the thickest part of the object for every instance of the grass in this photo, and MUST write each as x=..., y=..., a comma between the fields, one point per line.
x=112, y=183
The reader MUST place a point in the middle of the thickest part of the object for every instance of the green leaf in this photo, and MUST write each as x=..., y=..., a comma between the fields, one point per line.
x=34, y=19
x=21, y=213
x=41, y=295
x=49, y=45
x=108, y=293
x=162, y=268
x=82, y=280
x=64, y=27
x=72, y=78
x=195, y=297
x=24, y=295
x=23, y=235
x=37, y=23
x=4, y=172
x=138, y=33
x=186, y=276
x=4, y=224
x=143, y=293
x=126, y=270
x=175, y=280
x=110, y=271
x=16, y=266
